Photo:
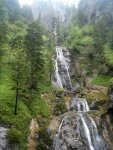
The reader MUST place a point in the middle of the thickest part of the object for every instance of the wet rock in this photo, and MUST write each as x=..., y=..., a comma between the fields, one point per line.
x=78, y=131
x=106, y=125
x=69, y=137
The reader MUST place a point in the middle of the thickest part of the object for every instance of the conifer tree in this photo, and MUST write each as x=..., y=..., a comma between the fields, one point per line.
x=34, y=50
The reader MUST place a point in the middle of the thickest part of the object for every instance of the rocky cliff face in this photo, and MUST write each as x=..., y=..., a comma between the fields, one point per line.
x=77, y=130
x=94, y=10
x=51, y=11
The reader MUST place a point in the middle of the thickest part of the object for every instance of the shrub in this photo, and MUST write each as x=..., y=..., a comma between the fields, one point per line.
x=14, y=135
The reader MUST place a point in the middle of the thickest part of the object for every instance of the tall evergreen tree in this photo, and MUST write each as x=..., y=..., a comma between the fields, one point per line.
x=19, y=66
x=26, y=12
x=13, y=9
x=34, y=49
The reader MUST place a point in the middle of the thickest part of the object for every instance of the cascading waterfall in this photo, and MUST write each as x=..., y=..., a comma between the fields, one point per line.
x=79, y=104
x=62, y=75
x=77, y=130
x=87, y=132
x=58, y=79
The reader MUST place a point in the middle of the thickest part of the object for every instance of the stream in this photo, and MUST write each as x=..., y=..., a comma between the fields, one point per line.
x=77, y=130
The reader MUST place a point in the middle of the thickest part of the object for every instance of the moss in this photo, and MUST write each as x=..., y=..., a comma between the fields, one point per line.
x=108, y=53
x=97, y=95
x=40, y=106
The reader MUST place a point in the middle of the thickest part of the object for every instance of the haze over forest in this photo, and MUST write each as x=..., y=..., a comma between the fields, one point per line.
x=30, y=2
x=56, y=75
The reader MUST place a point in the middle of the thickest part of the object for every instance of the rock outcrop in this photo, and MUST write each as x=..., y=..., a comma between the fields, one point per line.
x=32, y=140
x=77, y=130
x=94, y=10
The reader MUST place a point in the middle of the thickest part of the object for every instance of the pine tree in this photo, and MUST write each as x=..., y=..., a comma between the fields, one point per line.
x=18, y=65
x=34, y=50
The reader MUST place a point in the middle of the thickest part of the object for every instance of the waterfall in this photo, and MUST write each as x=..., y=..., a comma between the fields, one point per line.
x=79, y=104
x=87, y=133
x=57, y=74
x=62, y=75
x=77, y=130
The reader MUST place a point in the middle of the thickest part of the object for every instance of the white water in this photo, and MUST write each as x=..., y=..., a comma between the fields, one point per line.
x=57, y=136
x=60, y=59
x=87, y=132
x=81, y=104
x=59, y=83
x=94, y=131
x=59, y=129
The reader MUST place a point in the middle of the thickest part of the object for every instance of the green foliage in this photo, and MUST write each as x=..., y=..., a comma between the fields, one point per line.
x=108, y=53
x=44, y=140
x=14, y=10
x=79, y=38
x=7, y=102
x=14, y=135
x=41, y=107
x=60, y=106
x=3, y=33
x=26, y=12
x=25, y=54
x=101, y=80
x=34, y=49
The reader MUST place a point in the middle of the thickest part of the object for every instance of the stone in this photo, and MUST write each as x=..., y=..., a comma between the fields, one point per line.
x=32, y=139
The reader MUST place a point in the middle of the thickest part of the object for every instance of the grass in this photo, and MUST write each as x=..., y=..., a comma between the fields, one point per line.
x=108, y=53
x=101, y=80
x=20, y=122
x=40, y=107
